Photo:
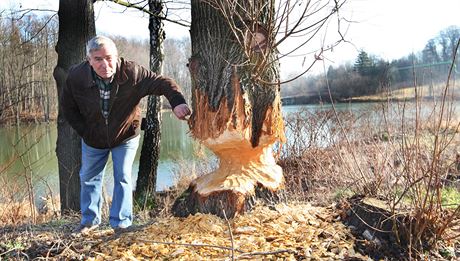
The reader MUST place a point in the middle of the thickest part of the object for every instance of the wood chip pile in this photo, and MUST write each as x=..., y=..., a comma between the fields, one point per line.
x=288, y=232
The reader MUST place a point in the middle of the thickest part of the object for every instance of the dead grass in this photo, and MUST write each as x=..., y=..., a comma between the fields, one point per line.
x=369, y=160
x=403, y=153
x=405, y=94
x=16, y=208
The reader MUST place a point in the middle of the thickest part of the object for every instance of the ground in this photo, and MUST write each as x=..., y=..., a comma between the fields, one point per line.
x=290, y=232
x=277, y=232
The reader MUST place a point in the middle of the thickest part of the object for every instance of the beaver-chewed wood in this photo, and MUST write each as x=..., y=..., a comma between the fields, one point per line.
x=235, y=114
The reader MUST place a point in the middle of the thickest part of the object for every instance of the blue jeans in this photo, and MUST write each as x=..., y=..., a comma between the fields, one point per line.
x=93, y=163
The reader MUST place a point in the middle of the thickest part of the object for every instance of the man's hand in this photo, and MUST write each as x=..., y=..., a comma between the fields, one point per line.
x=182, y=111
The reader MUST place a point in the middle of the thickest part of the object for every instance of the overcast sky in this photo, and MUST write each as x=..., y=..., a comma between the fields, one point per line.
x=389, y=29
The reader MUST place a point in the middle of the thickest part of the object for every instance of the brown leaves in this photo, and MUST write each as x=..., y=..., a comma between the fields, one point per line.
x=287, y=232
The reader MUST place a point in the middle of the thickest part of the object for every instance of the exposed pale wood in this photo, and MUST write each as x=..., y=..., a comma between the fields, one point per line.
x=241, y=167
x=237, y=118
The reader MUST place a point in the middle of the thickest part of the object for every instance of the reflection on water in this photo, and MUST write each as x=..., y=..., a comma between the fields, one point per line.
x=312, y=126
x=29, y=151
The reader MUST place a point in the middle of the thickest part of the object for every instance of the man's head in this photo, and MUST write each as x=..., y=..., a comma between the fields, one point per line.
x=102, y=55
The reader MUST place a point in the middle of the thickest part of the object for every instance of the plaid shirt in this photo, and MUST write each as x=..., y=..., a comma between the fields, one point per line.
x=104, y=91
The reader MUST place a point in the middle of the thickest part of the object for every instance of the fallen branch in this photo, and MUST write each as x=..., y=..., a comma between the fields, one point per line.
x=8, y=251
x=230, y=231
x=59, y=249
x=190, y=245
x=280, y=251
x=243, y=254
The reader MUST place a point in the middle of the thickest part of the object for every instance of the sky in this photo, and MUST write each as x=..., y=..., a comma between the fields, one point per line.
x=389, y=29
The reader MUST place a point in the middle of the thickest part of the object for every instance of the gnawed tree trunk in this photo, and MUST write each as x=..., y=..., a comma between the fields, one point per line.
x=235, y=115
x=150, y=153
x=76, y=27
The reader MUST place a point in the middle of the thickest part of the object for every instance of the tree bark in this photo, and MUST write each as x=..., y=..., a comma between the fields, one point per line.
x=234, y=115
x=76, y=27
x=150, y=153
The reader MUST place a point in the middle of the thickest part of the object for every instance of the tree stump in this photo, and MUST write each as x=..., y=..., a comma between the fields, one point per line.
x=244, y=174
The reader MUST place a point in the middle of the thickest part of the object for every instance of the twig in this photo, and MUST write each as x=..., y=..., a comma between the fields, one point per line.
x=143, y=9
x=361, y=172
x=452, y=237
x=30, y=10
x=40, y=30
x=53, y=248
x=243, y=254
x=230, y=231
x=280, y=251
x=59, y=249
x=6, y=252
x=365, y=223
x=24, y=254
x=189, y=245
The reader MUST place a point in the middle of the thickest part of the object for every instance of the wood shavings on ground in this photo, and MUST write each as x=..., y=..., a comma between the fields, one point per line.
x=287, y=232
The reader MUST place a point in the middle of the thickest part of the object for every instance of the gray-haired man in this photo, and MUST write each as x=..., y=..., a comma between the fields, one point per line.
x=101, y=102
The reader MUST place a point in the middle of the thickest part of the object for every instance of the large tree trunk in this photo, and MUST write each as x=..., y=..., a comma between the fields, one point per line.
x=235, y=115
x=76, y=27
x=150, y=153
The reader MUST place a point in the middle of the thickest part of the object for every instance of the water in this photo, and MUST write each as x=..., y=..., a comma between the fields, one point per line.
x=28, y=152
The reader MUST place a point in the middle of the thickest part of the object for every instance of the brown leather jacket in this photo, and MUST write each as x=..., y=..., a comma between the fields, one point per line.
x=80, y=102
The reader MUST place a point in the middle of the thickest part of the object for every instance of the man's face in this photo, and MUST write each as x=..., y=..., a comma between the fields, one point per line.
x=104, y=62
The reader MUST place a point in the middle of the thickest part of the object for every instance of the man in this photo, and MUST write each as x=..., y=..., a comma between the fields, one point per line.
x=101, y=102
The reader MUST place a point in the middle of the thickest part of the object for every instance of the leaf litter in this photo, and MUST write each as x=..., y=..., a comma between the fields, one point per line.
x=285, y=232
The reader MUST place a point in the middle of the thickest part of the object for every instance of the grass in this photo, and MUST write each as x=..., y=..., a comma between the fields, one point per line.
x=450, y=197
x=13, y=245
x=403, y=94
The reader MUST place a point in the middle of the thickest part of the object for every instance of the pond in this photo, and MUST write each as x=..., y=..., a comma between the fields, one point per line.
x=28, y=152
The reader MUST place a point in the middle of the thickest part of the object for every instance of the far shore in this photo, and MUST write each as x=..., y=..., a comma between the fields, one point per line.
x=408, y=94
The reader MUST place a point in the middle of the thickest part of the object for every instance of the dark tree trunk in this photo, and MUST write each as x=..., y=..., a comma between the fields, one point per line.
x=76, y=27
x=234, y=115
x=150, y=153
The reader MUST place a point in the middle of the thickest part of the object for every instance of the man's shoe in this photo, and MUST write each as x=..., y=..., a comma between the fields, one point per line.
x=84, y=230
x=120, y=230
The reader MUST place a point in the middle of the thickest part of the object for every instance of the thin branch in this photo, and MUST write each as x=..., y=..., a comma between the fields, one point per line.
x=230, y=231
x=280, y=251
x=190, y=245
x=143, y=9
x=243, y=254
x=24, y=12
x=8, y=251
x=241, y=19
x=40, y=30
x=361, y=172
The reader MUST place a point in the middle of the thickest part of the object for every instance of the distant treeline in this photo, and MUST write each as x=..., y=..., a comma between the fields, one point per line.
x=27, y=59
x=370, y=74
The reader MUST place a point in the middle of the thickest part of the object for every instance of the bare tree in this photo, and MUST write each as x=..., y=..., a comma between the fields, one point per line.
x=177, y=52
x=236, y=97
x=150, y=153
x=76, y=27
x=23, y=53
